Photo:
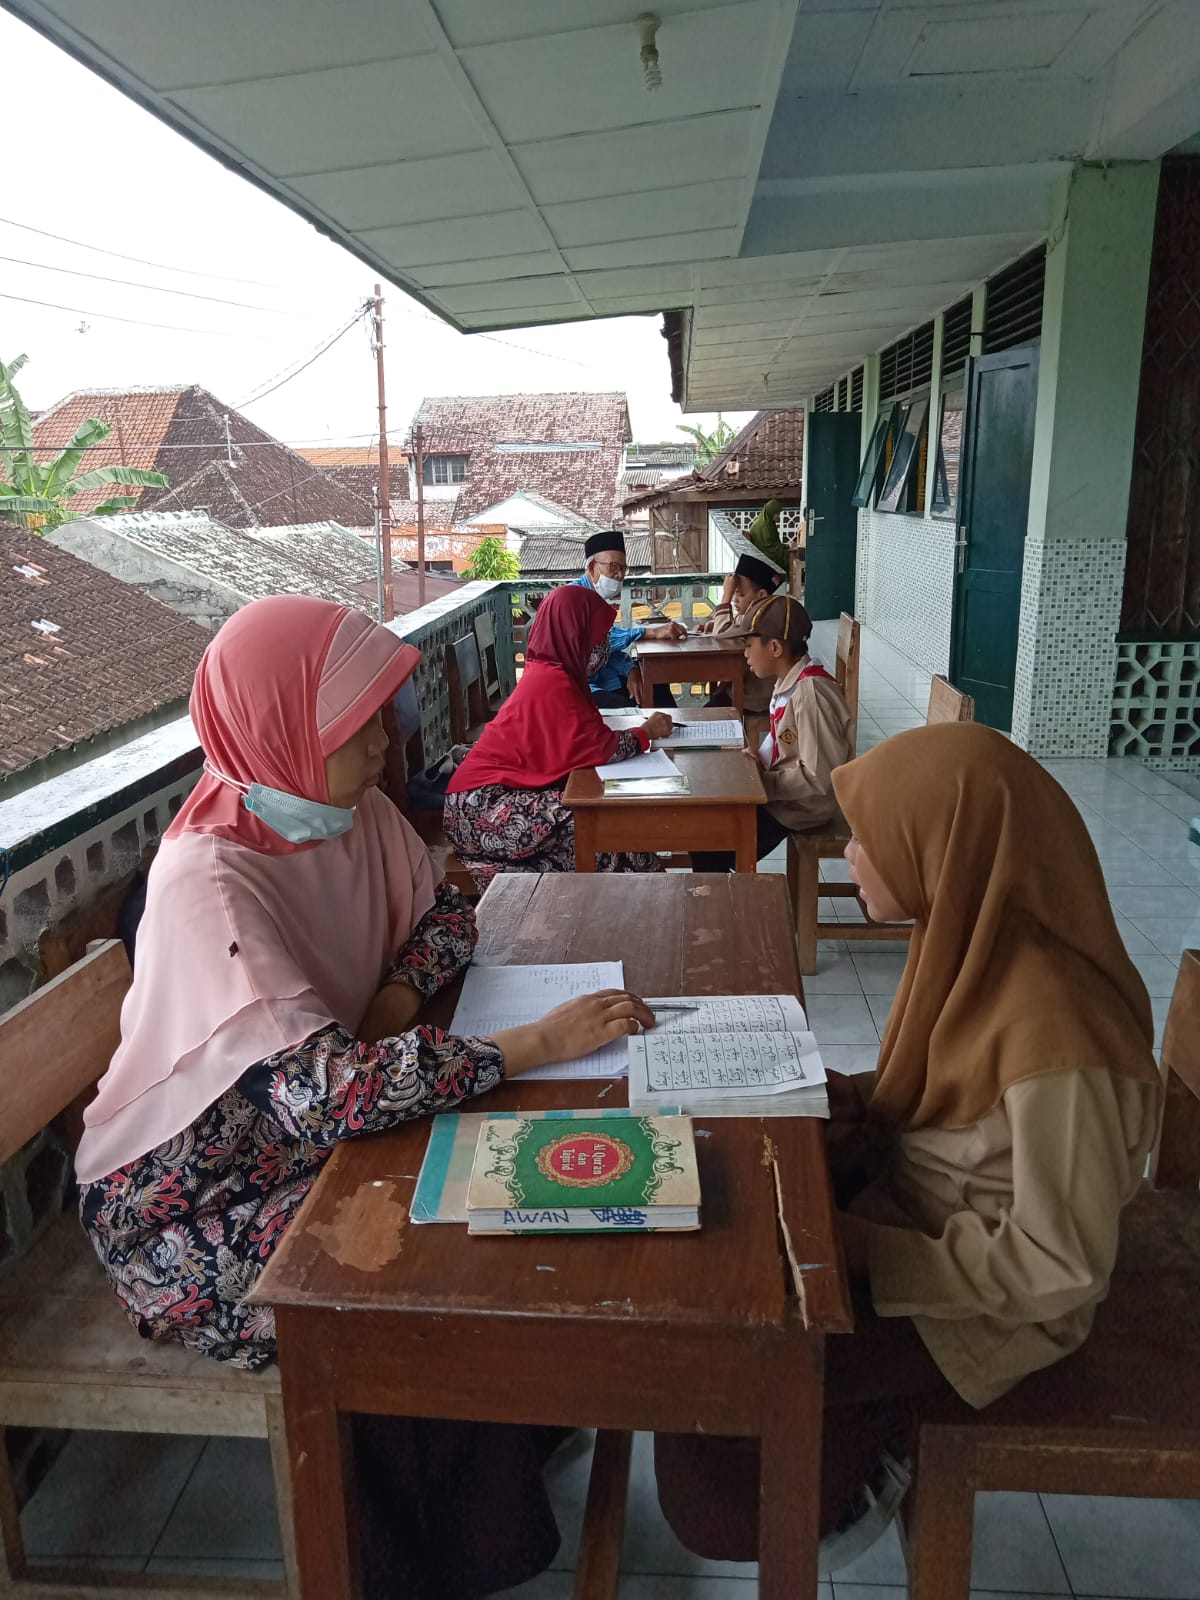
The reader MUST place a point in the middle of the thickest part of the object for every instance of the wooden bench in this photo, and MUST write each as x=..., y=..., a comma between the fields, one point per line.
x=404, y=759
x=469, y=707
x=1122, y=1415
x=69, y=1358
x=806, y=851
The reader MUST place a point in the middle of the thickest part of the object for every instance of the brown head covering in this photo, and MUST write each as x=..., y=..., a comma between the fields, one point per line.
x=1015, y=967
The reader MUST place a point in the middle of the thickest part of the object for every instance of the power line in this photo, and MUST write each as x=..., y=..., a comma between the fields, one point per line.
x=139, y=261
x=140, y=322
x=154, y=288
x=328, y=345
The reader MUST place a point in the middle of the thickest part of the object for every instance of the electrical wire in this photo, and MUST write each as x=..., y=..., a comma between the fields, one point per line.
x=139, y=261
x=262, y=394
x=140, y=322
x=153, y=288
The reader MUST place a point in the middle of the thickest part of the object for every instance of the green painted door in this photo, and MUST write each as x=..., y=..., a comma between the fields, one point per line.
x=834, y=446
x=993, y=512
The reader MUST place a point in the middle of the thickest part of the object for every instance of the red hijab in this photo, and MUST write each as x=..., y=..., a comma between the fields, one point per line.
x=549, y=725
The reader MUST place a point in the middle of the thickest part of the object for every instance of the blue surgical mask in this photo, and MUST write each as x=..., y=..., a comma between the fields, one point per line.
x=293, y=818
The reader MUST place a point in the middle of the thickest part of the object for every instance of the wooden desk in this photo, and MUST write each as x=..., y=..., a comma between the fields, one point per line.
x=720, y=813
x=672, y=1332
x=702, y=658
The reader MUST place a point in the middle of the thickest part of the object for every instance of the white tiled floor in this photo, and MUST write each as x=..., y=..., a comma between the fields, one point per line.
x=171, y=1505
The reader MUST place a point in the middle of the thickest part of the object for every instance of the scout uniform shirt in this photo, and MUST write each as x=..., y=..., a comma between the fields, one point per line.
x=808, y=736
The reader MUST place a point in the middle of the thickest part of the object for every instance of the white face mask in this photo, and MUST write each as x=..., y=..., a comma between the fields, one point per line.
x=607, y=588
x=291, y=816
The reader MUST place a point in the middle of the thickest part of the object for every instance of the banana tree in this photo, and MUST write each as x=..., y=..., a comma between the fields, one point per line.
x=708, y=445
x=38, y=494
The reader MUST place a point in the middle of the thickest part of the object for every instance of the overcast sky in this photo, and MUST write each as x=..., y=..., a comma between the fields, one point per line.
x=108, y=174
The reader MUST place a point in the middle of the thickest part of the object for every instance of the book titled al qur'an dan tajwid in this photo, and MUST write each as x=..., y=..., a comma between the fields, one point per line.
x=597, y=1175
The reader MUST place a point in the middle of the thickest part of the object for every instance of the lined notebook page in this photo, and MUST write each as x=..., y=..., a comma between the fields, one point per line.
x=509, y=997
x=652, y=764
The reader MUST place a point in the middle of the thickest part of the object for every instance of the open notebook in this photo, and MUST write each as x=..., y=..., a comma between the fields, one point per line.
x=732, y=1056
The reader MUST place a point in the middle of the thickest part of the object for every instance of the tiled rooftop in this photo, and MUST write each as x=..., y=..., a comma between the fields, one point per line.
x=81, y=654
x=581, y=473
x=554, y=552
x=323, y=559
x=767, y=455
x=213, y=455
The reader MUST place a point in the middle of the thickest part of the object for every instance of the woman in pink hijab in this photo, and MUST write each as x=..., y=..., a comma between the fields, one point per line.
x=293, y=930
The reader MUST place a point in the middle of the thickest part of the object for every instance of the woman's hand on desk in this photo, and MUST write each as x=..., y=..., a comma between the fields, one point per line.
x=658, y=725
x=573, y=1030
x=394, y=1010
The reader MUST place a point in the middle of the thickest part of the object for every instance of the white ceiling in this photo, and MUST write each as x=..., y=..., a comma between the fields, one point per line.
x=813, y=178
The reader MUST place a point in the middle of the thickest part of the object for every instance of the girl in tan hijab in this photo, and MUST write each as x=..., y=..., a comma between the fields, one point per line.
x=984, y=1165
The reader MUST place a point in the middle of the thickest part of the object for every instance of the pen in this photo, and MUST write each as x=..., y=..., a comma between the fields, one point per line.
x=675, y=1008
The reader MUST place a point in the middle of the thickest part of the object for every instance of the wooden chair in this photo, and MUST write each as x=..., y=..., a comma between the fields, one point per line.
x=468, y=702
x=68, y=1356
x=1122, y=1415
x=948, y=704
x=485, y=638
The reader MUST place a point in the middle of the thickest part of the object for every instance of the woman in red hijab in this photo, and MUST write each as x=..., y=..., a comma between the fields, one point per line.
x=293, y=930
x=504, y=810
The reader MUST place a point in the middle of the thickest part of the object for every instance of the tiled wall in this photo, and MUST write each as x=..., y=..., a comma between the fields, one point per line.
x=905, y=583
x=1156, y=703
x=1070, y=612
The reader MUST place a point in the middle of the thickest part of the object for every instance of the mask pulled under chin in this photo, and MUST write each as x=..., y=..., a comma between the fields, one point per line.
x=291, y=816
x=608, y=588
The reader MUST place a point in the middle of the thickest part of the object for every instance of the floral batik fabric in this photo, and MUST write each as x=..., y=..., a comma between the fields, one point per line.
x=184, y=1231
x=497, y=829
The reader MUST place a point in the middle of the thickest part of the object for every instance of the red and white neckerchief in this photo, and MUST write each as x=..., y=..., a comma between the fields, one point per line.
x=768, y=751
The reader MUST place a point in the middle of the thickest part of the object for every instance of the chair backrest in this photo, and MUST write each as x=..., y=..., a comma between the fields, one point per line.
x=464, y=673
x=948, y=704
x=1176, y=1162
x=849, y=634
x=485, y=638
x=58, y=1042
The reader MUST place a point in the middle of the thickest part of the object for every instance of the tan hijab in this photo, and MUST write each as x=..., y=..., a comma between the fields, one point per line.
x=1015, y=967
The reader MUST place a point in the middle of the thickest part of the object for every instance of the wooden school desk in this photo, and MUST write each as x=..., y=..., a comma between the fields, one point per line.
x=720, y=812
x=701, y=658
x=720, y=1330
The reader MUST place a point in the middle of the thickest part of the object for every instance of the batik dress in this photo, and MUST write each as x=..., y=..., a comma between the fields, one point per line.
x=185, y=1230
x=496, y=828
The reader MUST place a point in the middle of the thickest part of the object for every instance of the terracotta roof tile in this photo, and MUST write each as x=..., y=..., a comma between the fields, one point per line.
x=767, y=455
x=81, y=653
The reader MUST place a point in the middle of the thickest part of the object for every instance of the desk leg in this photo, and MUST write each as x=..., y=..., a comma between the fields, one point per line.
x=585, y=841
x=789, y=1533
x=647, y=694
x=746, y=849
x=738, y=686
x=322, y=1472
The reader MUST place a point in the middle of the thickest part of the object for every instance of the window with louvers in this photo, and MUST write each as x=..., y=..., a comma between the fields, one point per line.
x=956, y=338
x=1012, y=313
x=824, y=401
x=856, y=389
x=843, y=395
x=907, y=364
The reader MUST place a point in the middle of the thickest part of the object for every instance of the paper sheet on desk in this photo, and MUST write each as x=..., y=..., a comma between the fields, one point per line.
x=509, y=997
x=654, y=764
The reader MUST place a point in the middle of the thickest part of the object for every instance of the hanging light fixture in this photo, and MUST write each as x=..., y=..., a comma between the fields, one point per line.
x=647, y=26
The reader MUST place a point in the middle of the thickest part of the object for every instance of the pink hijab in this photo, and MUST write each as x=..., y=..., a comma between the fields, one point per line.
x=249, y=944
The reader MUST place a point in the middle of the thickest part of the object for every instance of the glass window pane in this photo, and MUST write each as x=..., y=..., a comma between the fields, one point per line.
x=870, y=463
x=945, y=483
x=904, y=456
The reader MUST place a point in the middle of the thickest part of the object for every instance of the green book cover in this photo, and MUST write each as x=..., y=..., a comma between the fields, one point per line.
x=611, y=1162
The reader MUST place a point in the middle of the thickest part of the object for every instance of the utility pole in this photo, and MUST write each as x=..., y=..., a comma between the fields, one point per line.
x=385, y=480
x=419, y=462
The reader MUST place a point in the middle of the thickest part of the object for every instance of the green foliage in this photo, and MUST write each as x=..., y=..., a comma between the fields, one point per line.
x=491, y=560
x=38, y=494
x=709, y=445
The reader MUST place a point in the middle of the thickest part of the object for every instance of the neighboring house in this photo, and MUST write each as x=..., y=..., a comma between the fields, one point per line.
x=492, y=454
x=648, y=465
x=207, y=571
x=84, y=660
x=764, y=462
x=216, y=459
x=556, y=552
